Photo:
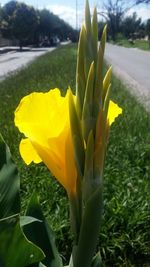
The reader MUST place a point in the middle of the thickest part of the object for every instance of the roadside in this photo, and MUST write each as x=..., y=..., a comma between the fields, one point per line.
x=140, y=44
x=132, y=66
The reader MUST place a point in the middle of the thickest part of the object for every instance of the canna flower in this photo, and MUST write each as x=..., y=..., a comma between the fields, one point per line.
x=44, y=120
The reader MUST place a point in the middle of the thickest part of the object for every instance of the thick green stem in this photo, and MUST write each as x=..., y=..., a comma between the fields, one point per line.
x=76, y=213
x=89, y=230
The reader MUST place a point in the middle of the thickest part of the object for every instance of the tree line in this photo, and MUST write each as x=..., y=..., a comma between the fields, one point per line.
x=119, y=24
x=30, y=26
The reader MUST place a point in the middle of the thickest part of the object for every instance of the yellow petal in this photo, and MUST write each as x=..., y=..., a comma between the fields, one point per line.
x=60, y=161
x=28, y=153
x=113, y=112
x=52, y=162
x=42, y=113
x=44, y=120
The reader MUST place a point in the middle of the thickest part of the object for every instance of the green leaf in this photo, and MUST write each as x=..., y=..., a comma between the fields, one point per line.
x=106, y=83
x=88, y=20
x=97, y=260
x=98, y=82
x=71, y=262
x=99, y=75
x=89, y=231
x=106, y=101
x=89, y=53
x=15, y=249
x=100, y=145
x=80, y=72
x=88, y=104
x=88, y=100
x=40, y=233
x=12, y=238
x=24, y=220
x=77, y=136
x=103, y=39
x=9, y=183
x=88, y=179
x=95, y=35
x=41, y=265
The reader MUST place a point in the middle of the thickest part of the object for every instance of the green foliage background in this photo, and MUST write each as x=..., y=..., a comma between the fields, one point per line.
x=125, y=232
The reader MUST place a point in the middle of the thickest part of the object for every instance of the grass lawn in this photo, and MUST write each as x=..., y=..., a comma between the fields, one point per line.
x=124, y=239
x=141, y=44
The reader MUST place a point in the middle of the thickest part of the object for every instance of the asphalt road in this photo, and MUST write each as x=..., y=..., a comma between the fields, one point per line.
x=131, y=65
x=12, y=61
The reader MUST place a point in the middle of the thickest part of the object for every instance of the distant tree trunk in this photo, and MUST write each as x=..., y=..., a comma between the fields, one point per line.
x=20, y=45
x=114, y=11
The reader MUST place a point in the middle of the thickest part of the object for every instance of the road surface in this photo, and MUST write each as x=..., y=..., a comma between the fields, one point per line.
x=12, y=61
x=132, y=65
x=129, y=64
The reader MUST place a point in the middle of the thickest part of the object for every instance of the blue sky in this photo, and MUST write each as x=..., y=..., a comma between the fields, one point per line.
x=66, y=9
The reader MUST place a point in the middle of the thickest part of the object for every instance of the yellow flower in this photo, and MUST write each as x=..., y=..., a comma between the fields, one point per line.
x=44, y=119
x=113, y=112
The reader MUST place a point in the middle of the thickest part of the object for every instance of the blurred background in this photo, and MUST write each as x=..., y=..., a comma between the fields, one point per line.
x=47, y=23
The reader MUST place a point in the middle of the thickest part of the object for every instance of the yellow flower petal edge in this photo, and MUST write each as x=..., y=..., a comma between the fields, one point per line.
x=113, y=112
x=44, y=120
x=28, y=152
x=42, y=112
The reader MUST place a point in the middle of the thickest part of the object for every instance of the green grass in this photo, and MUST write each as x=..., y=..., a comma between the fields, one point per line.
x=125, y=232
x=141, y=44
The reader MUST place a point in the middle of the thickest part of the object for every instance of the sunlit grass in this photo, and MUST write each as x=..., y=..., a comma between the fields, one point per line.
x=141, y=44
x=125, y=231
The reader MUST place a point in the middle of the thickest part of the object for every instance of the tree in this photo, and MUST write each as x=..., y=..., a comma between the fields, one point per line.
x=114, y=12
x=101, y=25
x=0, y=19
x=148, y=29
x=23, y=23
x=6, y=18
x=46, y=23
x=51, y=25
x=19, y=21
x=0, y=13
x=131, y=25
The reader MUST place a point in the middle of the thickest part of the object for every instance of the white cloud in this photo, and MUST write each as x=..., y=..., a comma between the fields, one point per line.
x=143, y=12
x=67, y=13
